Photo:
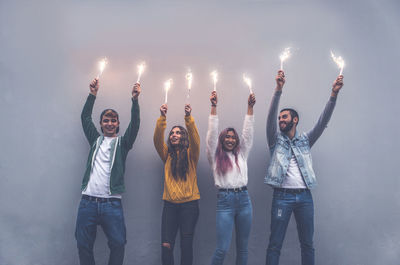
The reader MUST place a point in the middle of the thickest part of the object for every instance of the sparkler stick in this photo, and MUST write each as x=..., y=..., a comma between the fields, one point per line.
x=189, y=79
x=140, y=71
x=339, y=62
x=248, y=82
x=214, y=75
x=167, y=86
x=102, y=65
x=284, y=55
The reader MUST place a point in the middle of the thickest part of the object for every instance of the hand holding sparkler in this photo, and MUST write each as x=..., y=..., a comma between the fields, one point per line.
x=136, y=89
x=280, y=80
x=188, y=109
x=337, y=85
x=250, y=103
x=94, y=86
x=163, y=110
x=214, y=102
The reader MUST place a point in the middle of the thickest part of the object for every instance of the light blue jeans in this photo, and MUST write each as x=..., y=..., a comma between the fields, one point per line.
x=233, y=208
x=283, y=204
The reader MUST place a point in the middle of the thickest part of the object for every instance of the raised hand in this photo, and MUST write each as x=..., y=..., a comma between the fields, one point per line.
x=188, y=109
x=337, y=84
x=251, y=100
x=214, y=99
x=280, y=80
x=94, y=86
x=136, y=90
x=163, y=110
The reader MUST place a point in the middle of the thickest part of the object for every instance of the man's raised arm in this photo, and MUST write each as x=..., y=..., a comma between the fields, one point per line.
x=133, y=127
x=89, y=129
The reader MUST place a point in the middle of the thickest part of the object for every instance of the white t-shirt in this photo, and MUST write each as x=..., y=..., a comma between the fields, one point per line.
x=99, y=181
x=293, y=179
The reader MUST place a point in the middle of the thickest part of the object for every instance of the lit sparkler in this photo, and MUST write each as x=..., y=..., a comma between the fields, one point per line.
x=284, y=55
x=248, y=82
x=140, y=68
x=189, y=79
x=102, y=65
x=167, y=86
x=339, y=62
x=214, y=75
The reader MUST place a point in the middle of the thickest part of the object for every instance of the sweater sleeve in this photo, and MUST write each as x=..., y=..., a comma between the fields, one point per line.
x=271, y=119
x=158, y=138
x=133, y=127
x=212, y=138
x=194, y=139
x=247, y=135
x=89, y=129
x=323, y=120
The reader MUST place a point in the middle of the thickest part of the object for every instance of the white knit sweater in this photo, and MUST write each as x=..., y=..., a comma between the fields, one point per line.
x=236, y=177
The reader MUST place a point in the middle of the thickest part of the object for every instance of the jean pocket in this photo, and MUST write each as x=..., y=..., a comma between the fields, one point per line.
x=83, y=204
x=222, y=195
x=116, y=204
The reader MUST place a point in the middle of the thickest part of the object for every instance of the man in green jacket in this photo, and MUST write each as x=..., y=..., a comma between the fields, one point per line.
x=103, y=181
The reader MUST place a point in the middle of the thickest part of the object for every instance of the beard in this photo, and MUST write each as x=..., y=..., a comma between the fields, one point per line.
x=288, y=127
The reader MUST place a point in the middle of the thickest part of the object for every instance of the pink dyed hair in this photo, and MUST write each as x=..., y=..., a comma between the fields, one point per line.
x=223, y=162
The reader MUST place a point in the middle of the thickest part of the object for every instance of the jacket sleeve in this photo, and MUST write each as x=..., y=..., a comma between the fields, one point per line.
x=194, y=139
x=133, y=127
x=158, y=138
x=89, y=129
x=212, y=138
x=271, y=119
x=247, y=135
x=323, y=120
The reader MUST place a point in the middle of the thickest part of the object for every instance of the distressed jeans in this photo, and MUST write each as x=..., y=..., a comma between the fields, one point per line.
x=110, y=216
x=283, y=204
x=234, y=209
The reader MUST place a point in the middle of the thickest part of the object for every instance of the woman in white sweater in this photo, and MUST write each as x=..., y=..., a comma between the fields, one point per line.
x=227, y=154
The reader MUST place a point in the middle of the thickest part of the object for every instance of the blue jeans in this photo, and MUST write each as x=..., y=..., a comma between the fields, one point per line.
x=110, y=216
x=233, y=208
x=283, y=204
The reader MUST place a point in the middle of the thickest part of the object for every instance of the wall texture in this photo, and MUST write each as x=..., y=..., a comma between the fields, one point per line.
x=48, y=55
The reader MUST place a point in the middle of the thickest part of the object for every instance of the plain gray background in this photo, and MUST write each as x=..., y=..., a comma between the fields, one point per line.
x=48, y=56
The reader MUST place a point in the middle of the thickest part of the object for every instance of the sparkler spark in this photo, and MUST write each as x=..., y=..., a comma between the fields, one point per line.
x=140, y=71
x=167, y=86
x=214, y=75
x=284, y=55
x=339, y=62
x=248, y=82
x=102, y=65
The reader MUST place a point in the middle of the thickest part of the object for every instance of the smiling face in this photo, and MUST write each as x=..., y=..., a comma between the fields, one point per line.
x=286, y=122
x=175, y=136
x=229, y=142
x=109, y=123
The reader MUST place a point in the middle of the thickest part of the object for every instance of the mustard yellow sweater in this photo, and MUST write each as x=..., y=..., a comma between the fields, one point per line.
x=179, y=191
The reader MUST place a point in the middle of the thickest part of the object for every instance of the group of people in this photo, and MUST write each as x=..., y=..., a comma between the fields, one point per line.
x=290, y=173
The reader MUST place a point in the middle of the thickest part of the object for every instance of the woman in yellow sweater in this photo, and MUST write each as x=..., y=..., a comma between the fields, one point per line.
x=181, y=194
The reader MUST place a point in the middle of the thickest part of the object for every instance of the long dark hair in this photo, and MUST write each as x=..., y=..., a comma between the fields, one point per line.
x=224, y=164
x=179, y=162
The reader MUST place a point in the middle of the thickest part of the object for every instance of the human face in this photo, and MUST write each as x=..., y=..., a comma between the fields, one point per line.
x=175, y=136
x=229, y=141
x=109, y=126
x=285, y=121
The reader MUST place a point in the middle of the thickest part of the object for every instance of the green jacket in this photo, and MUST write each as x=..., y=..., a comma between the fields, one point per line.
x=120, y=147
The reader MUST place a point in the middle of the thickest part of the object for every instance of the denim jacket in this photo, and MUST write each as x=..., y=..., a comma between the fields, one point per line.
x=281, y=147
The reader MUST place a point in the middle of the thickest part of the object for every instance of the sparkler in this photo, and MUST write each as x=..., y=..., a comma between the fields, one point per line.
x=140, y=71
x=189, y=79
x=339, y=62
x=248, y=82
x=102, y=65
x=214, y=75
x=284, y=55
x=167, y=86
